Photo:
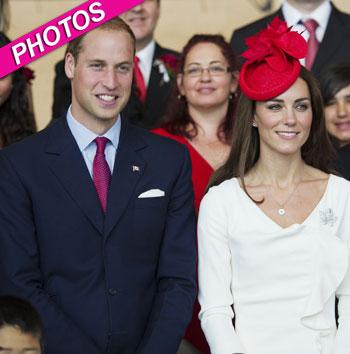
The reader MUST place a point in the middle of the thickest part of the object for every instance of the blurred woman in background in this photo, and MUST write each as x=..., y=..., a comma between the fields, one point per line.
x=335, y=86
x=16, y=116
x=4, y=16
x=200, y=115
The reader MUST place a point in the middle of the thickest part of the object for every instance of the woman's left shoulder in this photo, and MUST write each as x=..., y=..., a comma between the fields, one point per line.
x=335, y=188
x=165, y=133
x=322, y=178
x=340, y=183
x=161, y=131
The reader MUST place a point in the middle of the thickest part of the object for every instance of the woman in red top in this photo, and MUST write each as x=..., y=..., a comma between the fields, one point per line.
x=200, y=115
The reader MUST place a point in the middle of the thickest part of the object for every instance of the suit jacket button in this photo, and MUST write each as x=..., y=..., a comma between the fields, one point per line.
x=112, y=291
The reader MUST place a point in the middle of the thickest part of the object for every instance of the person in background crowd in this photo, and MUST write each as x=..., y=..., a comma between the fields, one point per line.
x=200, y=115
x=274, y=227
x=16, y=116
x=21, y=330
x=4, y=16
x=153, y=72
x=335, y=87
x=326, y=29
x=97, y=224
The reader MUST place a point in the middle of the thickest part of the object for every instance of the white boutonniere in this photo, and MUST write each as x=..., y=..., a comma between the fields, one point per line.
x=166, y=64
x=162, y=70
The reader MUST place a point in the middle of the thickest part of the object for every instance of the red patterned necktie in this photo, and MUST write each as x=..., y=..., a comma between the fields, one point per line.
x=101, y=172
x=312, y=43
x=139, y=80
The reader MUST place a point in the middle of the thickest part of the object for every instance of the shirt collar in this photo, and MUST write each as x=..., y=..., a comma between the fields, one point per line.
x=146, y=54
x=84, y=137
x=294, y=16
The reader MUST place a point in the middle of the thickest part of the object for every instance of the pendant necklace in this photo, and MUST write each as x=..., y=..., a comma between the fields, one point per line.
x=281, y=210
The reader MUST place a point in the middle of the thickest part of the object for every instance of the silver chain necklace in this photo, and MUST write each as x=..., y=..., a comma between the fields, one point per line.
x=281, y=210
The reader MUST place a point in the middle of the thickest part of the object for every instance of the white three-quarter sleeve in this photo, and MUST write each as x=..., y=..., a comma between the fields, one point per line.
x=215, y=276
x=342, y=340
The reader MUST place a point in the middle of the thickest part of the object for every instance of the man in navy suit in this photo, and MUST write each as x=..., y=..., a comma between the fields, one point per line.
x=333, y=31
x=153, y=58
x=97, y=227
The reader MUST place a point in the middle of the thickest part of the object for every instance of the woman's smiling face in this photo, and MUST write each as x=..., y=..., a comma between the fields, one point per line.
x=284, y=122
x=337, y=112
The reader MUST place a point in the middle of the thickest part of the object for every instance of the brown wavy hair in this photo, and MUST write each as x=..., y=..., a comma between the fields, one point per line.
x=332, y=80
x=177, y=118
x=16, y=117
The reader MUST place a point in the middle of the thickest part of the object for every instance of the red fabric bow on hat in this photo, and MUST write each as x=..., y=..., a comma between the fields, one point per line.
x=272, y=60
x=274, y=43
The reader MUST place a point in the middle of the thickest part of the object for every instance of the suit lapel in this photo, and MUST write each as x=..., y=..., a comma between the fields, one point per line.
x=128, y=168
x=67, y=163
x=333, y=38
x=157, y=88
x=278, y=13
x=269, y=18
x=156, y=77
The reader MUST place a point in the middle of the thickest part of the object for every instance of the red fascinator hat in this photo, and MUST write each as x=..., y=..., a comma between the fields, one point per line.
x=272, y=64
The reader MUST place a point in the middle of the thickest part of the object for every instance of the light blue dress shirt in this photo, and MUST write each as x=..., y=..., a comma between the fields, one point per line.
x=85, y=140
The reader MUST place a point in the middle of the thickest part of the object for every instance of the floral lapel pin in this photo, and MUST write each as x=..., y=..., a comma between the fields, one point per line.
x=167, y=65
x=328, y=217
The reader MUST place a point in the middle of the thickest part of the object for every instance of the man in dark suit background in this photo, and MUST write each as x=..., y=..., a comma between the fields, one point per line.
x=97, y=227
x=156, y=64
x=154, y=59
x=332, y=32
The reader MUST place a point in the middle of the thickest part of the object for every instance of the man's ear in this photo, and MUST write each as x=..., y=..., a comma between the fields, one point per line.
x=69, y=66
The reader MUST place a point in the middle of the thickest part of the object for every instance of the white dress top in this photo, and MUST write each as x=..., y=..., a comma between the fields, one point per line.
x=281, y=282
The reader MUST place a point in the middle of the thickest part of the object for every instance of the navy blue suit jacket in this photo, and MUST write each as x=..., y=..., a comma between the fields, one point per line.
x=334, y=48
x=121, y=283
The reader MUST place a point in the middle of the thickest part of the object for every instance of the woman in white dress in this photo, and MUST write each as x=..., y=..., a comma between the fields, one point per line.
x=274, y=228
